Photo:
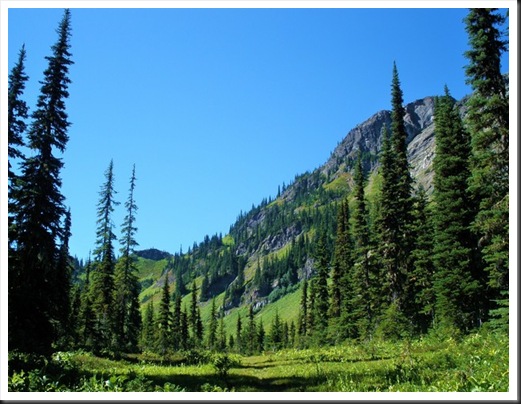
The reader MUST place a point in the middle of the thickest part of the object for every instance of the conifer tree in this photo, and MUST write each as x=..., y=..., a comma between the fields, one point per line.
x=37, y=207
x=252, y=332
x=421, y=288
x=261, y=336
x=164, y=320
x=303, y=312
x=276, y=332
x=487, y=121
x=454, y=285
x=147, y=332
x=17, y=111
x=321, y=286
x=212, y=327
x=396, y=203
x=126, y=284
x=340, y=288
x=239, y=337
x=102, y=284
x=360, y=313
x=17, y=114
x=61, y=279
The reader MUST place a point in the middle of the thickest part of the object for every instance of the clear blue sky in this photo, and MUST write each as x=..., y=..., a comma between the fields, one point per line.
x=218, y=107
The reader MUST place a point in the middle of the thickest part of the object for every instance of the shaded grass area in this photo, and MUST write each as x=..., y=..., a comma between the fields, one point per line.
x=478, y=362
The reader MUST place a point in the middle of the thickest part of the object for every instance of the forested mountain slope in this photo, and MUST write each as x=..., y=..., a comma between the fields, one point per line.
x=269, y=250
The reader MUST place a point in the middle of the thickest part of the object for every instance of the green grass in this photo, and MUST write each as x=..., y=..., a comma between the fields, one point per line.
x=477, y=363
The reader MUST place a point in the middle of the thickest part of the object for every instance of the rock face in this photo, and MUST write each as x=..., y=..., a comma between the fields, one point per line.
x=367, y=138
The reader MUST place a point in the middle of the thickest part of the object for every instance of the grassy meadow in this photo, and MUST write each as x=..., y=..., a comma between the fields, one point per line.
x=475, y=363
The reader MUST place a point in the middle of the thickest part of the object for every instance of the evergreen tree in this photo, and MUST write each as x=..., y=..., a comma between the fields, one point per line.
x=487, y=120
x=17, y=114
x=455, y=287
x=252, y=332
x=421, y=288
x=127, y=288
x=17, y=111
x=361, y=310
x=340, y=288
x=238, y=333
x=164, y=320
x=321, y=286
x=147, y=332
x=303, y=312
x=61, y=278
x=102, y=285
x=276, y=332
x=212, y=328
x=396, y=204
x=38, y=210
x=261, y=336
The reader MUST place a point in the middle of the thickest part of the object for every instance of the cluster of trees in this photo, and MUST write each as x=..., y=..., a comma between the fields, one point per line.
x=410, y=265
x=46, y=309
x=396, y=265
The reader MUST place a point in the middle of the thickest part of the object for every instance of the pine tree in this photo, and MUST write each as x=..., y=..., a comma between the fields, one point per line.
x=212, y=328
x=252, y=332
x=38, y=210
x=164, y=320
x=126, y=284
x=340, y=288
x=455, y=287
x=487, y=120
x=261, y=336
x=61, y=279
x=17, y=110
x=239, y=337
x=17, y=114
x=102, y=285
x=396, y=204
x=421, y=288
x=303, y=312
x=361, y=310
x=147, y=332
x=321, y=286
x=276, y=332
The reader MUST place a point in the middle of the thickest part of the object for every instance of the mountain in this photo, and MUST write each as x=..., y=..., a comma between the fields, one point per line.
x=269, y=250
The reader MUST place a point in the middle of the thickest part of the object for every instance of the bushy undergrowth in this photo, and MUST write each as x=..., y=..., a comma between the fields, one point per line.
x=477, y=362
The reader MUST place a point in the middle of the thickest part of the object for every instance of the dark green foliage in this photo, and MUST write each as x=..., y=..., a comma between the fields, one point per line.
x=17, y=110
x=420, y=286
x=456, y=288
x=395, y=242
x=37, y=208
x=148, y=329
x=487, y=121
x=211, y=341
x=342, y=263
x=364, y=297
x=102, y=275
x=164, y=320
x=321, y=286
x=127, y=317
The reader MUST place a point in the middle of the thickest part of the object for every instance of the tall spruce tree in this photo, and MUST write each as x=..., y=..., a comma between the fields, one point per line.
x=38, y=210
x=126, y=285
x=420, y=286
x=361, y=310
x=102, y=282
x=17, y=111
x=342, y=263
x=456, y=288
x=17, y=115
x=487, y=120
x=321, y=285
x=164, y=320
x=396, y=204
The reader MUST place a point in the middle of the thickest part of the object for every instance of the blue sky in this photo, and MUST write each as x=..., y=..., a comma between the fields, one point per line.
x=218, y=107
